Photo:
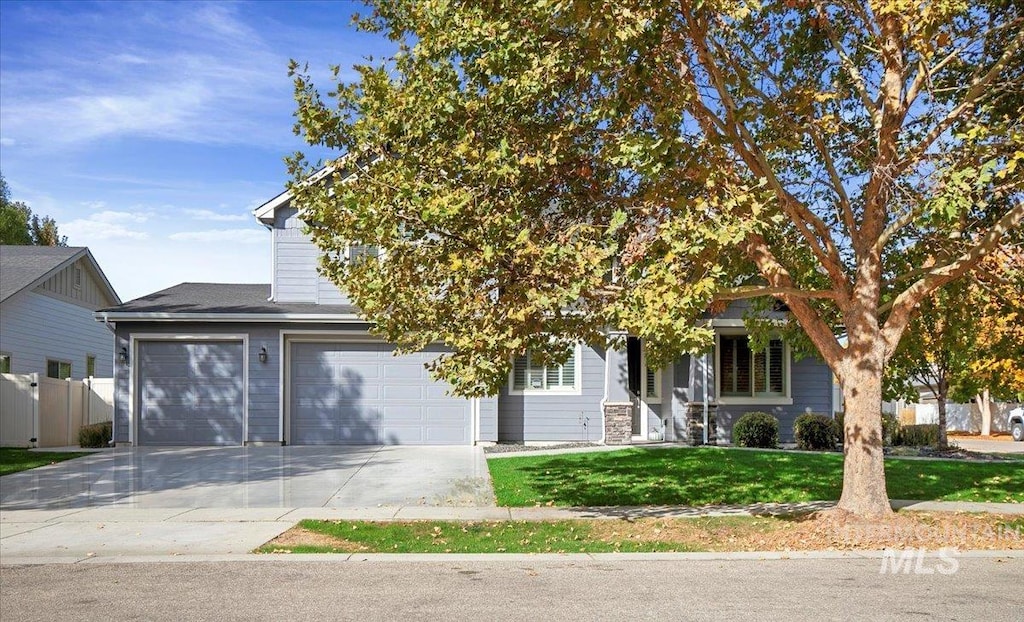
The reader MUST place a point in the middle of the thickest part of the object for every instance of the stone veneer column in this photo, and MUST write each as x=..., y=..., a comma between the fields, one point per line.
x=695, y=423
x=618, y=423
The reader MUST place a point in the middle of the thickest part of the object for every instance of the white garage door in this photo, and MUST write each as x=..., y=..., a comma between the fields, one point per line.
x=360, y=394
x=190, y=392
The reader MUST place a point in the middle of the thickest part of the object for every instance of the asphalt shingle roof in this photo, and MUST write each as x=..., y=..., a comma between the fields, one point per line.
x=20, y=266
x=220, y=298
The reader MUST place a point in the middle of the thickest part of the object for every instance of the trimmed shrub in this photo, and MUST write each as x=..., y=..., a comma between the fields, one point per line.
x=816, y=432
x=756, y=429
x=921, y=435
x=890, y=426
x=95, y=435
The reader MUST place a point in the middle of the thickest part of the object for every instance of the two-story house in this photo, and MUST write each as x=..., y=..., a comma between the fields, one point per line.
x=292, y=362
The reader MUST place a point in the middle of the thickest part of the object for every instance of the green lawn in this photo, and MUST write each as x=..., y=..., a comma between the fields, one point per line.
x=13, y=459
x=567, y=536
x=712, y=475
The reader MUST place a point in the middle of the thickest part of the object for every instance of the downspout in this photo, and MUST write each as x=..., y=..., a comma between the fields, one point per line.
x=705, y=366
x=113, y=418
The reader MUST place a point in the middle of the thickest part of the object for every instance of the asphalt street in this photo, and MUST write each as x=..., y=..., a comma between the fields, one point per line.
x=789, y=589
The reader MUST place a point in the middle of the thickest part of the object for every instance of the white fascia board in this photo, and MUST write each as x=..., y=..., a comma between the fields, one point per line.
x=265, y=213
x=322, y=318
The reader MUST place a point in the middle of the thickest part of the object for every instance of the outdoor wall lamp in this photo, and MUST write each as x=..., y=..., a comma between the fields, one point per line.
x=263, y=354
x=122, y=356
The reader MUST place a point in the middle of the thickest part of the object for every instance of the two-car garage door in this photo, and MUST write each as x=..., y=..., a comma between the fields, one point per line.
x=192, y=392
x=359, y=393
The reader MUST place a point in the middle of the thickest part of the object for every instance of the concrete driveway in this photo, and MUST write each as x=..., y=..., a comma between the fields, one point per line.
x=256, y=477
x=988, y=446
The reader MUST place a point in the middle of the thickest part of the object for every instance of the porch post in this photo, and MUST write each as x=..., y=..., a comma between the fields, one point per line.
x=617, y=404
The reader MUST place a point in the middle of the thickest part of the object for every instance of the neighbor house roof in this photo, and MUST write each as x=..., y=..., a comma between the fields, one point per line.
x=242, y=302
x=24, y=267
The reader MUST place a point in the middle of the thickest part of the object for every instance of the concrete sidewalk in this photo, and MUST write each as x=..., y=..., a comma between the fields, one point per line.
x=47, y=536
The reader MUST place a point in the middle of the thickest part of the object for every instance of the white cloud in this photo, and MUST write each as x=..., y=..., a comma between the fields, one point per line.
x=235, y=236
x=105, y=225
x=205, y=214
x=84, y=231
x=115, y=218
x=196, y=74
x=7, y=142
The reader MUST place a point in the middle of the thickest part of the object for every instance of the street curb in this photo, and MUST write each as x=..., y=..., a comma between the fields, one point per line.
x=767, y=556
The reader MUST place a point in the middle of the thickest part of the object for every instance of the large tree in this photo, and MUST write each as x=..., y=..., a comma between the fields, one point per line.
x=19, y=226
x=536, y=172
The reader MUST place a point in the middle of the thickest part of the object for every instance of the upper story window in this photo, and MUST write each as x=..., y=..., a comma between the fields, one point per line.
x=58, y=369
x=743, y=373
x=528, y=376
x=90, y=366
x=5, y=363
x=359, y=252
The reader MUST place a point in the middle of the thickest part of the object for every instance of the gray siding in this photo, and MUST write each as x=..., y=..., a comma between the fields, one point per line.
x=811, y=384
x=488, y=419
x=555, y=417
x=34, y=327
x=86, y=293
x=296, y=278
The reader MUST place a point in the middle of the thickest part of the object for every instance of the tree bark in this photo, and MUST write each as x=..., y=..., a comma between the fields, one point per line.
x=943, y=440
x=985, y=406
x=864, y=491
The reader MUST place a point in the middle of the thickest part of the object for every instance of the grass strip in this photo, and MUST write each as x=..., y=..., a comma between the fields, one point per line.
x=14, y=460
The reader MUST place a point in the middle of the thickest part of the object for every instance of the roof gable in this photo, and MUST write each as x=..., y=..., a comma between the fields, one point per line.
x=25, y=267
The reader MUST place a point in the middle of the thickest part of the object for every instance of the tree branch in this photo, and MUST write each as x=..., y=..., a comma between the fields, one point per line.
x=756, y=291
x=976, y=91
x=904, y=304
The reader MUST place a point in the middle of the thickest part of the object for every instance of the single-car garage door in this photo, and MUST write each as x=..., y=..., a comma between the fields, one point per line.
x=190, y=392
x=360, y=394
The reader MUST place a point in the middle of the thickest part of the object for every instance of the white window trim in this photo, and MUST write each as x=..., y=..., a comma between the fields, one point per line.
x=787, y=380
x=577, y=381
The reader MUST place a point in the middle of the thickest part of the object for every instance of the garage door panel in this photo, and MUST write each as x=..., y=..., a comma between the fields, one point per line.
x=190, y=393
x=412, y=392
x=378, y=399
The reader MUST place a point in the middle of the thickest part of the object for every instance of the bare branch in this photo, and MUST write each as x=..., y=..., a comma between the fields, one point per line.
x=904, y=304
x=756, y=291
x=975, y=93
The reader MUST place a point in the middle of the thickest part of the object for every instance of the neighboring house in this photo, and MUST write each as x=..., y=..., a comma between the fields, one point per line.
x=47, y=298
x=293, y=362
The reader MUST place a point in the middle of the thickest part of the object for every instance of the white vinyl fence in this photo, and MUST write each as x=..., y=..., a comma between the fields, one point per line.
x=45, y=412
x=965, y=417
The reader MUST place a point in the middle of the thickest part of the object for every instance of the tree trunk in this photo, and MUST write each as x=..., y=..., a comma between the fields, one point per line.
x=943, y=440
x=985, y=406
x=864, y=491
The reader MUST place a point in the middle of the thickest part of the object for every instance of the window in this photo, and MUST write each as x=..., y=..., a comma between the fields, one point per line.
x=360, y=252
x=746, y=374
x=90, y=366
x=529, y=376
x=58, y=369
x=652, y=384
x=5, y=363
x=78, y=277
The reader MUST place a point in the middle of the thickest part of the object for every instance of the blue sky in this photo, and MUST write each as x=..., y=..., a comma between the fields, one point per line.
x=150, y=130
